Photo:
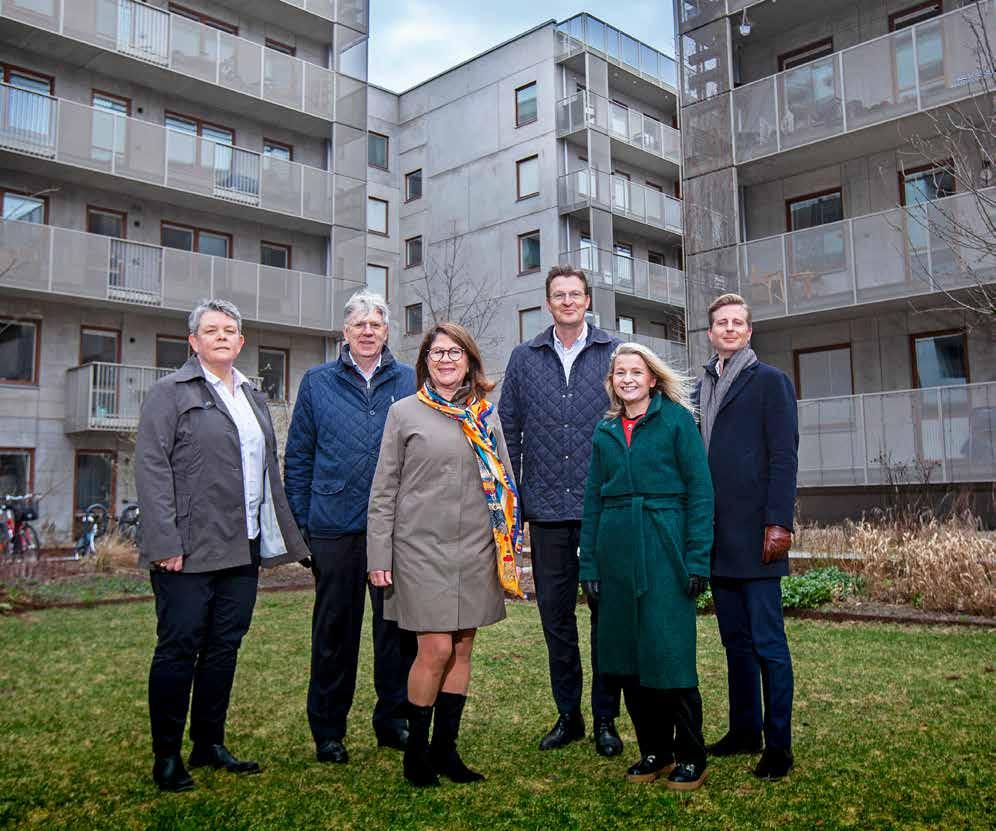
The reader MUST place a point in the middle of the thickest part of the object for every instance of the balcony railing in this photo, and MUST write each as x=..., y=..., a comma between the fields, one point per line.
x=620, y=196
x=586, y=32
x=61, y=261
x=101, y=140
x=937, y=434
x=927, y=65
x=619, y=272
x=588, y=109
x=157, y=37
x=672, y=351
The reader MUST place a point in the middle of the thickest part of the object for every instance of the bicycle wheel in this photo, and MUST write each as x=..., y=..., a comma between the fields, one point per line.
x=128, y=523
x=101, y=517
x=26, y=542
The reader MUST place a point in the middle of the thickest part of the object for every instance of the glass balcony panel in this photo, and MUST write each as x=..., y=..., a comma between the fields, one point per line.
x=349, y=255
x=80, y=264
x=318, y=187
x=316, y=301
x=634, y=131
x=354, y=13
x=350, y=148
x=282, y=79
x=705, y=55
x=143, y=31
x=237, y=281
x=612, y=46
x=318, y=92
x=672, y=213
x=953, y=51
x=880, y=80
x=890, y=433
x=649, y=65
x=622, y=272
x=236, y=174
x=279, y=295
x=595, y=33
x=86, y=136
x=94, y=21
x=693, y=13
x=754, y=119
x=630, y=51
x=41, y=13
x=187, y=279
x=763, y=277
x=135, y=274
x=240, y=64
x=191, y=162
x=619, y=120
x=820, y=274
x=27, y=121
x=351, y=102
x=970, y=434
x=711, y=200
x=350, y=205
x=281, y=185
x=141, y=150
x=24, y=254
x=882, y=269
x=656, y=207
x=830, y=442
x=954, y=223
x=194, y=48
x=640, y=279
x=809, y=102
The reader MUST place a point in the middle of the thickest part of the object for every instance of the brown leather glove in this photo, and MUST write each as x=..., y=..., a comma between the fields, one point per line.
x=777, y=541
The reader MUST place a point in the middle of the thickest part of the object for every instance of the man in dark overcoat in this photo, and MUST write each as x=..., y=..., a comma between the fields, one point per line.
x=749, y=424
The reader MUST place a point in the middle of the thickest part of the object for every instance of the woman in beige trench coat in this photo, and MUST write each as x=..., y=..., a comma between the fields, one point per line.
x=430, y=540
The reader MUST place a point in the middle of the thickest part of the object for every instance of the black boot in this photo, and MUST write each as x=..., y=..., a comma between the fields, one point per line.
x=443, y=751
x=169, y=774
x=417, y=764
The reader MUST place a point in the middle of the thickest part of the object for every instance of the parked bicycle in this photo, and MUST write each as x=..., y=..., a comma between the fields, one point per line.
x=19, y=538
x=93, y=525
x=129, y=522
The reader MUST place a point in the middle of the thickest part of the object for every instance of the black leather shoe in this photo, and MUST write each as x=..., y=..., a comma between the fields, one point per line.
x=733, y=744
x=686, y=777
x=569, y=728
x=169, y=774
x=393, y=737
x=649, y=769
x=775, y=763
x=218, y=757
x=607, y=741
x=332, y=750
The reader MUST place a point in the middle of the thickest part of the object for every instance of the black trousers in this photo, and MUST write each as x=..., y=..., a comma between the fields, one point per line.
x=340, y=568
x=202, y=619
x=555, y=574
x=668, y=723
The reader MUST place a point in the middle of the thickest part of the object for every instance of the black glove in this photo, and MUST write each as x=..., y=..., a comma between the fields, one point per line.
x=305, y=561
x=591, y=588
x=696, y=585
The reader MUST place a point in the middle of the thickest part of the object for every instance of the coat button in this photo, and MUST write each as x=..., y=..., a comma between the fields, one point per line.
x=373, y=412
x=568, y=490
x=567, y=457
x=567, y=426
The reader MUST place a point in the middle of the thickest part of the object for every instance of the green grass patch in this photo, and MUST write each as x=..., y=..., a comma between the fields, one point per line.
x=83, y=588
x=893, y=730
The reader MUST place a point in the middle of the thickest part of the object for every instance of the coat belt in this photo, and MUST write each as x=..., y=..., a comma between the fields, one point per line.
x=637, y=505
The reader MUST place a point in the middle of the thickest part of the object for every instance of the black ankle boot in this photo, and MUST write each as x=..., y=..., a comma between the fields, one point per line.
x=417, y=764
x=443, y=751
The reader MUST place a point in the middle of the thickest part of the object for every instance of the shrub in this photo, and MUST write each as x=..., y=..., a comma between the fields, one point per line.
x=807, y=591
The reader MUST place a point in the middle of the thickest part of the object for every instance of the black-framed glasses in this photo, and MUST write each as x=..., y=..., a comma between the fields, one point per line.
x=437, y=353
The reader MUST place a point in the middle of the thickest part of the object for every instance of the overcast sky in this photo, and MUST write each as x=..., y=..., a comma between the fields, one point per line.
x=411, y=40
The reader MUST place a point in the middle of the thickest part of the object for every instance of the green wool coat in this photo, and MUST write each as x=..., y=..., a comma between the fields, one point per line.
x=647, y=526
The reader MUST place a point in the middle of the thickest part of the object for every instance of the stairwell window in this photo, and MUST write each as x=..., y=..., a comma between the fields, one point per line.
x=529, y=252
x=377, y=147
x=413, y=185
x=413, y=252
x=377, y=216
x=527, y=177
x=413, y=319
x=19, y=351
x=377, y=279
x=525, y=105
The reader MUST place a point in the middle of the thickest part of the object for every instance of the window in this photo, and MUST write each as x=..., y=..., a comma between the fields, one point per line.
x=187, y=238
x=114, y=103
x=107, y=222
x=273, y=365
x=413, y=319
x=19, y=343
x=940, y=359
x=525, y=105
x=94, y=479
x=278, y=149
x=377, y=279
x=625, y=325
x=17, y=470
x=24, y=208
x=814, y=209
x=915, y=14
x=199, y=127
x=99, y=346
x=527, y=177
x=27, y=80
x=377, y=150
x=805, y=54
x=377, y=216
x=413, y=252
x=530, y=323
x=823, y=372
x=275, y=254
x=587, y=254
x=277, y=46
x=200, y=17
x=529, y=252
x=171, y=352
x=624, y=262
x=413, y=185
x=924, y=184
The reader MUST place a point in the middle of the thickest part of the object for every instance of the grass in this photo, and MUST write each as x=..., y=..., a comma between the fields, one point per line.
x=893, y=729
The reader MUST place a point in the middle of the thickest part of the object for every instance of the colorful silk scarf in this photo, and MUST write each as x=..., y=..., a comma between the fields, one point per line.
x=499, y=489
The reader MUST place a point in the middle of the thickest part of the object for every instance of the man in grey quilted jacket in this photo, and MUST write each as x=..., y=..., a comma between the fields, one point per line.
x=552, y=397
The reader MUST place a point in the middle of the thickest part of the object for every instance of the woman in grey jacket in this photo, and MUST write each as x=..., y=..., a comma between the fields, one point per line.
x=443, y=532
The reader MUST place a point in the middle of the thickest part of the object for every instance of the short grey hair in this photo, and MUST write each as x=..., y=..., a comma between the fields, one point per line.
x=366, y=302
x=226, y=307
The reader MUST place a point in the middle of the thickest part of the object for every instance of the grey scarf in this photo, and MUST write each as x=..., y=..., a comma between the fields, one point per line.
x=714, y=390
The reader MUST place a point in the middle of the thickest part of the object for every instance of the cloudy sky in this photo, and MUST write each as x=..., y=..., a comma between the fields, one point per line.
x=411, y=40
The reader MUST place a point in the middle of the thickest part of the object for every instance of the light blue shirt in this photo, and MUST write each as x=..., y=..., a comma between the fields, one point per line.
x=569, y=355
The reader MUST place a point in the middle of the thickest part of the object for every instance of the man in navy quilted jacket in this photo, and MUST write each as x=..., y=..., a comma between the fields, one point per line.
x=552, y=397
x=332, y=449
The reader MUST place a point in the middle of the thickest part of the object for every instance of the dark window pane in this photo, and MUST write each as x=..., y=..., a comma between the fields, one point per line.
x=940, y=360
x=413, y=251
x=817, y=210
x=272, y=369
x=377, y=150
x=182, y=238
x=413, y=319
x=214, y=244
x=530, y=252
x=15, y=468
x=17, y=351
x=170, y=353
x=274, y=255
x=413, y=185
x=94, y=479
x=825, y=373
x=105, y=224
x=98, y=346
x=279, y=150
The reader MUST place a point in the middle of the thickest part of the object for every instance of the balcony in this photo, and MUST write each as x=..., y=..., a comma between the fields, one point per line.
x=672, y=351
x=49, y=260
x=934, y=63
x=938, y=434
x=621, y=273
x=587, y=109
x=583, y=32
x=92, y=140
x=638, y=204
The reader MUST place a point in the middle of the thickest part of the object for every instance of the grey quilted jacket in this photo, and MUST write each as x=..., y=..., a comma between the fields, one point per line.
x=548, y=423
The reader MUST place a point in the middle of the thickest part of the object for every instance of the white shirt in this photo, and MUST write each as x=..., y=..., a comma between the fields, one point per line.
x=373, y=369
x=251, y=443
x=569, y=355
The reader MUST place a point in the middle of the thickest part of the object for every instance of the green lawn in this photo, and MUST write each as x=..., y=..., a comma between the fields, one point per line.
x=893, y=730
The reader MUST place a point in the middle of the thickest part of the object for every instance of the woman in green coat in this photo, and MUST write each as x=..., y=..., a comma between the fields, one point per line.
x=646, y=536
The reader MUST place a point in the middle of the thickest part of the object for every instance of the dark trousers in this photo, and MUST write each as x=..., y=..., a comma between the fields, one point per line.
x=752, y=628
x=340, y=568
x=555, y=574
x=668, y=723
x=202, y=619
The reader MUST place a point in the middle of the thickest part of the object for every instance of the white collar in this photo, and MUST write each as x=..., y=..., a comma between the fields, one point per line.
x=582, y=338
x=214, y=380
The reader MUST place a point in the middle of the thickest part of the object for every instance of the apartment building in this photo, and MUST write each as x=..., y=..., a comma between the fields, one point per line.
x=153, y=154
x=824, y=182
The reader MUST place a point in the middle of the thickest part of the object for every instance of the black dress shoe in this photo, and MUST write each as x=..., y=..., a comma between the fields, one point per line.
x=733, y=744
x=607, y=741
x=686, y=777
x=169, y=774
x=218, y=757
x=569, y=728
x=393, y=737
x=332, y=750
x=649, y=769
x=775, y=763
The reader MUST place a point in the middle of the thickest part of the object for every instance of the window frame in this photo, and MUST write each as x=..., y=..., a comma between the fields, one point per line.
x=519, y=122
x=203, y=19
x=521, y=312
x=200, y=123
x=80, y=452
x=518, y=179
x=84, y=327
x=197, y=233
x=812, y=51
x=387, y=151
x=36, y=368
x=285, y=353
x=124, y=99
x=387, y=278
x=895, y=17
x=408, y=329
x=23, y=70
x=281, y=245
x=632, y=321
x=387, y=216
x=268, y=142
x=408, y=262
x=30, y=453
x=279, y=46
x=91, y=209
x=834, y=347
x=815, y=195
x=173, y=339
x=43, y=199
x=946, y=165
x=519, y=240
x=940, y=333
x=408, y=196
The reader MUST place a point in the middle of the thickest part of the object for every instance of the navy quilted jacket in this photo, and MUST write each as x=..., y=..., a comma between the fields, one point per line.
x=548, y=423
x=334, y=439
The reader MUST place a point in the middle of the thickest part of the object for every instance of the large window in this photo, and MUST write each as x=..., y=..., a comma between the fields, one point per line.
x=924, y=184
x=99, y=345
x=816, y=252
x=24, y=208
x=171, y=352
x=275, y=254
x=529, y=252
x=273, y=364
x=530, y=323
x=188, y=238
x=94, y=479
x=377, y=216
x=823, y=372
x=278, y=149
x=19, y=345
x=377, y=145
x=805, y=54
x=940, y=359
x=413, y=252
x=625, y=325
x=413, y=319
x=413, y=185
x=814, y=209
x=113, y=103
x=107, y=222
x=377, y=279
x=527, y=177
x=525, y=105
x=199, y=127
x=17, y=470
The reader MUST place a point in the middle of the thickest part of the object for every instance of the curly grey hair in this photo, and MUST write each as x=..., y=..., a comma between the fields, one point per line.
x=366, y=302
x=226, y=307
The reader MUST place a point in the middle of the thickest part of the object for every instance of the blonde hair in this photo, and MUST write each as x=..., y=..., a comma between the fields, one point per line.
x=670, y=383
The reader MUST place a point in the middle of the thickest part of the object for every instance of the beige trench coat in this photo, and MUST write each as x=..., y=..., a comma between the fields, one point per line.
x=428, y=523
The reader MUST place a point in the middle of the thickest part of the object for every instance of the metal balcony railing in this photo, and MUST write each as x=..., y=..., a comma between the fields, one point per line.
x=173, y=42
x=61, y=261
x=621, y=196
x=583, y=31
x=915, y=69
x=619, y=272
x=588, y=109
x=97, y=139
x=937, y=434
x=672, y=351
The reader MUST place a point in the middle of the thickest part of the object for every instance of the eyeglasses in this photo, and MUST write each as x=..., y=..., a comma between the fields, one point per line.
x=372, y=325
x=563, y=296
x=437, y=353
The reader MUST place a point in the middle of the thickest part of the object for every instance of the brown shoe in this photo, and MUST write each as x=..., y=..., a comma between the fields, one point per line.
x=649, y=769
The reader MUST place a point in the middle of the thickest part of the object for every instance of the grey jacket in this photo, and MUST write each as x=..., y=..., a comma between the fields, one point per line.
x=188, y=473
